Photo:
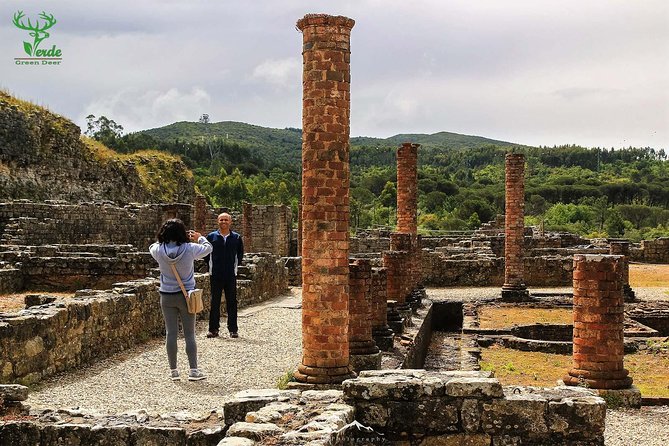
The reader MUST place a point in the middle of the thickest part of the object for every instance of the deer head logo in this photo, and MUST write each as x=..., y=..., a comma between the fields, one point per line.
x=37, y=30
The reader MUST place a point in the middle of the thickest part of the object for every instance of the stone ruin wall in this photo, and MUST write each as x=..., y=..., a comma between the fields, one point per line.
x=40, y=341
x=28, y=223
x=72, y=267
x=655, y=251
x=267, y=228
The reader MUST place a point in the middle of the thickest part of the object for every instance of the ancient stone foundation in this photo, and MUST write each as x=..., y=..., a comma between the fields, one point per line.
x=325, y=199
x=598, y=324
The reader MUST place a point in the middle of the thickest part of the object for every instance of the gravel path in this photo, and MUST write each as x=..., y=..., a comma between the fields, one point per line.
x=268, y=346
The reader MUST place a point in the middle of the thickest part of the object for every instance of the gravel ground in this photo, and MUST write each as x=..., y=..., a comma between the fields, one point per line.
x=268, y=346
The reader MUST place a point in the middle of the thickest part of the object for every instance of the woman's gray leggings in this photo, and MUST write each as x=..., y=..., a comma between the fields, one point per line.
x=173, y=306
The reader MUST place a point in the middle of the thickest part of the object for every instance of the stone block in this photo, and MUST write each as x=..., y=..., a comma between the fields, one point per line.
x=206, y=437
x=254, y=431
x=474, y=388
x=110, y=435
x=246, y=401
x=160, y=436
x=66, y=434
x=405, y=385
x=19, y=433
x=236, y=441
x=577, y=418
x=470, y=414
x=13, y=392
x=515, y=415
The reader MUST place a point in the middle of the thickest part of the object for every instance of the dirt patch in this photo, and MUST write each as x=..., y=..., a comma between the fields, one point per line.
x=505, y=317
x=11, y=303
x=514, y=367
x=648, y=275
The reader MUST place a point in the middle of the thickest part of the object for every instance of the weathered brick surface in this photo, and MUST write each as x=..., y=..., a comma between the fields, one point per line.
x=514, y=224
x=379, y=298
x=200, y=213
x=325, y=198
x=360, y=318
x=598, y=323
x=395, y=263
x=407, y=188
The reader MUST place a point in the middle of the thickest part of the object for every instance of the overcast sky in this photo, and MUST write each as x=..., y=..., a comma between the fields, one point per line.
x=588, y=72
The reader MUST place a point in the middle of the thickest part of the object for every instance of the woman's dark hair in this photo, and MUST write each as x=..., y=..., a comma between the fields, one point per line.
x=173, y=230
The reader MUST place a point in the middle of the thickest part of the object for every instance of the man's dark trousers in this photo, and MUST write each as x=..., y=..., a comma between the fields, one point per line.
x=219, y=286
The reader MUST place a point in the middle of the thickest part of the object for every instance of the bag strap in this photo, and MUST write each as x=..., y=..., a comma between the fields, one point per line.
x=176, y=274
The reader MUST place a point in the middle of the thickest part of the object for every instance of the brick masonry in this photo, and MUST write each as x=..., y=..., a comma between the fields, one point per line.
x=407, y=188
x=325, y=198
x=360, y=316
x=598, y=323
x=514, y=226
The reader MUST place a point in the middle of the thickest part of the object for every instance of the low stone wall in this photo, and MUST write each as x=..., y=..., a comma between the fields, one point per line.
x=72, y=267
x=440, y=270
x=267, y=228
x=44, y=340
x=419, y=407
x=28, y=223
x=294, y=266
x=364, y=244
x=11, y=280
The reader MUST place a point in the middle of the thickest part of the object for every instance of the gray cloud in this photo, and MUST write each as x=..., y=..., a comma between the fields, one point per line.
x=594, y=73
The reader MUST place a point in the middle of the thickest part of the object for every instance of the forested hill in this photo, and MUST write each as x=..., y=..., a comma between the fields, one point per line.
x=590, y=191
x=278, y=147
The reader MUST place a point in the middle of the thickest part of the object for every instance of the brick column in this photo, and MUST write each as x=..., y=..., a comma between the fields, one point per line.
x=200, y=215
x=622, y=248
x=407, y=188
x=598, y=323
x=403, y=243
x=299, y=230
x=325, y=198
x=514, y=225
x=362, y=348
x=381, y=332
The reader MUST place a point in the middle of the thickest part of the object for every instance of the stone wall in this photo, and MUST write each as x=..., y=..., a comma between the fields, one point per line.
x=40, y=341
x=267, y=228
x=419, y=407
x=27, y=223
x=72, y=267
x=441, y=270
x=656, y=251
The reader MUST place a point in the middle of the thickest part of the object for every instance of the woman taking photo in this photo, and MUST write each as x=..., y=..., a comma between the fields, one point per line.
x=173, y=248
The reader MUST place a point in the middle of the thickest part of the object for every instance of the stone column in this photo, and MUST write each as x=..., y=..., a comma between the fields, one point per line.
x=407, y=188
x=514, y=288
x=200, y=215
x=381, y=332
x=622, y=248
x=598, y=324
x=363, y=351
x=325, y=198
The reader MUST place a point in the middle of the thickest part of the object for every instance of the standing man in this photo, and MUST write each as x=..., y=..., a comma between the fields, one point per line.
x=226, y=257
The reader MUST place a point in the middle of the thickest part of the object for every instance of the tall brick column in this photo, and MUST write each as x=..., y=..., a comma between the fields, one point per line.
x=598, y=323
x=325, y=198
x=364, y=354
x=514, y=288
x=407, y=188
x=622, y=248
x=200, y=214
x=381, y=332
